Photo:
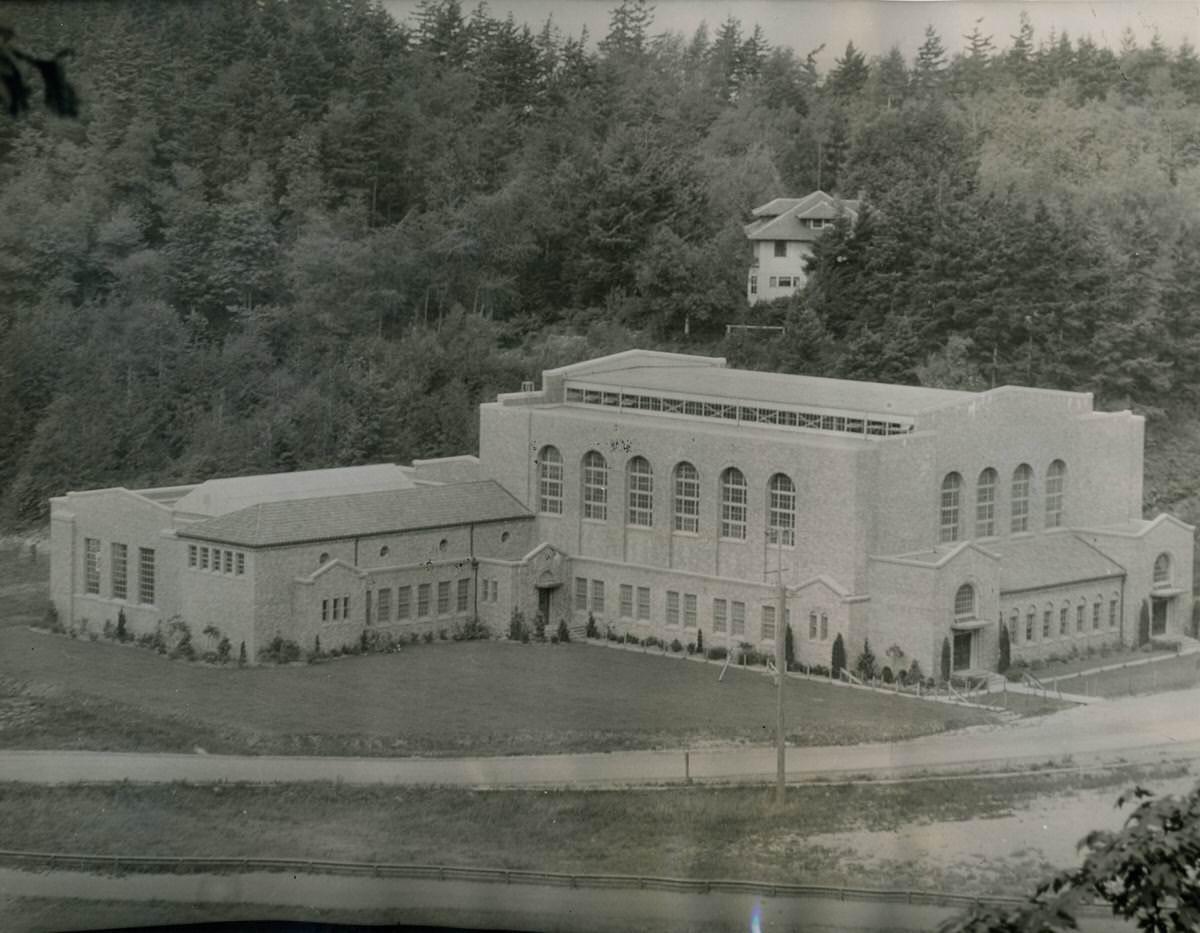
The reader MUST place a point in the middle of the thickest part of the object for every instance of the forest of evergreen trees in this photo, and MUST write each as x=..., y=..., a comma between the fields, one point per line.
x=288, y=235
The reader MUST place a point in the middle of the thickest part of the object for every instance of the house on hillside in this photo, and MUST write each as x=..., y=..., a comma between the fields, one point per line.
x=659, y=494
x=781, y=236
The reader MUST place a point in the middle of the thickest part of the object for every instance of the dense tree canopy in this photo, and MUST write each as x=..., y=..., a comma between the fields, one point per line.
x=290, y=235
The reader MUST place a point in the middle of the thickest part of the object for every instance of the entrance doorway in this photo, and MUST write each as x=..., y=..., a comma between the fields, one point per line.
x=544, y=603
x=1159, y=615
x=962, y=650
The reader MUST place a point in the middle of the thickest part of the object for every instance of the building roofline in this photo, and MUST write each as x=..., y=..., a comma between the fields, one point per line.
x=635, y=357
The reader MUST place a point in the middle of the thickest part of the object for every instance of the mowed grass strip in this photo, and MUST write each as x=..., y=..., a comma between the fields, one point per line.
x=699, y=832
x=1171, y=673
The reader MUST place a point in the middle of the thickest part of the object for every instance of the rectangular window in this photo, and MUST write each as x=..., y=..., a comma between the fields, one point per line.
x=91, y=565
x=672, y=607
x=367, y=608
x=462, y=597
x=720, y=613
x=824, y=627
x=1047, y=623
x=337, y=609
x=384, y=605
x=203, y=558
x=241, y=563
x=229, y=561
x=403, y=602
x=443, y=597
x=120, y=564
x=597, y=596
x=754, y=285
x=1079, y=611
x=146, y=576
x=345, y=607
x=626, y=601
x=1096, y=616
x=812, y=626
x=689, y=610
x=643, y=603
x=780, y=248
x=216, y=560
x=1064, y=626
x=738, y=618
x=581, y=593
x=1112, y=613
x=1029, y=627
x=193, y=555
x=325, y=610
x=768, y=623
x=773, y=281
x=424, y=597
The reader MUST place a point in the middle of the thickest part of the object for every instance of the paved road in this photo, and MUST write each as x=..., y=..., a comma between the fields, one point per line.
x=489, y=905
x=1161, y=725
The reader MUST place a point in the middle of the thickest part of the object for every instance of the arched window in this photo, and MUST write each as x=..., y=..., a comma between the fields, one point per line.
x=687, y=498
x=985, y=504
x=781, y=510
x=1056, y=484
x=733, y=504
x=951, y=493
x=964, y=602
x=550, y=481
x=1162, y=569
x=1022, y=488
x=639, y=486
x=595, y=487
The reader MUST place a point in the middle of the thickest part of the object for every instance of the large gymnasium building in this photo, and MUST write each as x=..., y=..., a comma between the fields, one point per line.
x=665, y=495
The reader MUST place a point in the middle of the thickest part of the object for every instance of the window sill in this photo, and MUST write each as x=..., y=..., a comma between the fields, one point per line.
x=731, y=540
x=630, y=527
x=685, y=534
x=595, y=521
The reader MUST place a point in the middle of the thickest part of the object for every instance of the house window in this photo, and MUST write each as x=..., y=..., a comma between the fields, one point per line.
x=1022, y=484
x=146, y=576
x=383, y=607
x=985, y=504
x=462, y=596
x=1047, y=623
x=120, y=569
x=240, y=564
x=443, y=597
x=337, y=609
x=643, y=603
x=404, y=602
x=626, y=601
x=1014, y=624
x=1096, y=614
x=687, y=498
x=780, y=248
x=550, y=481
x=597, y=595
x=91, y=565
x=733, y=504
x=824, y=626
x=345, y=607
x=812, y=626
x=964, y=602
x=595, y=487
x=424, y=598
x=720, y=614
x=193, y=555
x=781, y=510
x=689, y=610
x=639, y=482
x=581, y=593
x=754, y=285
x=773, y=281
x=1112, y=612
x=229, y=561
x=672, y=607
x=1162, y=570
x=737, y=618
x=768, y=623
x=951, y=491
x=1064, y=624
x=1080, y=610
x=1056, y=479
x=203, y=558
x=1029, y=616
x=325, y=610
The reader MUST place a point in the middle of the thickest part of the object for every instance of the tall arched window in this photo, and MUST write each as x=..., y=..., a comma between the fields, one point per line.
x=951, y=494
x=595, y=487
x=687, y=498
x=639, y=486
x=550, y=481
x=985, y=504
x=964, y=603
x=733, y=504
x=1162, y=569
x=781, y=510
x=1056, y=485
x=1022, y=488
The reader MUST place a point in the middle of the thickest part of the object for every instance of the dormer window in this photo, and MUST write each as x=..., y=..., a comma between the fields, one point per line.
x=781, y=248
x=819, y=223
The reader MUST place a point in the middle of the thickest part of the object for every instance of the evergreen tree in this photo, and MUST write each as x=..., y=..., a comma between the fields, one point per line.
x=930, y=64
x=789, y=648
x=1143, y=633
x=1005, y=651
x=849, y=75
x=889, y=83
x=628, y=29
x=865, y=666
x=945, y=666
x=837, y=662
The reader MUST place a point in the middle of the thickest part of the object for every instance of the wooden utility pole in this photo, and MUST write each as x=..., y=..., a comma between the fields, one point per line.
x=780, y=673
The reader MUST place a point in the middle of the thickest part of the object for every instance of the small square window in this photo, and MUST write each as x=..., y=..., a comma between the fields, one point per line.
x=781, y=248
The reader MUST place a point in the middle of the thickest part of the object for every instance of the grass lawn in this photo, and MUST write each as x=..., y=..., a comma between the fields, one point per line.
x=1172, y=673
x=1086, y=663
x=698, y=832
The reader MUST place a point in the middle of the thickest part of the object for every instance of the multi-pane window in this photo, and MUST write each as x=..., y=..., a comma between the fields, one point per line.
x=626, y=601
x=345, y=607
x=1112, y=613
x=1056, y=480
x=229, y=561
x=193, y=555
x=1080, y=610
x=824, y=626
x=733, y=504
x=768, y=623
x=737, y=618
x=1022, y=487
x=324, y=610
x=643, y=603
x=964, y=602
x=1014, y=623
x=720, y=614
x=240, y=564
x=1029, y=617
x=781, y=248
x=812, y=626
x=687, y=498
x=203, y=558
x=403, y=602
x=424, y=594
x=781, y=510
x=597, y=595
x=1162, y=569
x=639, y=484
x=91, y=565
x=550, y=481
x=672, y=607
x=689, y=610
x=337, y=609
x=595, y=487
x=985, y=504
x=120, y=570
x=1047, y=623
x=443, y=597
x=383, y=606
x=146, y=575
x=1064, y=624
x=462, y=595
x=1096, y=615
x=581, y=591
x=948, y=521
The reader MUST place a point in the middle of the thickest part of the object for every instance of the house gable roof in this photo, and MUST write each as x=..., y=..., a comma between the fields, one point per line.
x=1053, y=559
x=781, y=218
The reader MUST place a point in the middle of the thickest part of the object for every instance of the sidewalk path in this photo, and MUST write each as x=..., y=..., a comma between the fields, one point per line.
x=1159, y=725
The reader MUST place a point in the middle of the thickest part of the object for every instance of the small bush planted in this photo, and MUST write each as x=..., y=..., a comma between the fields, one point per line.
x=562, y=634
x=717, y=654
x=591, y=631
x=676, y=645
